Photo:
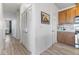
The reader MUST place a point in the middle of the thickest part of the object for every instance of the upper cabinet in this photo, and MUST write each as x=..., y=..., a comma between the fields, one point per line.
x=77, y=10
x=71, y=13
x=62, y=17
x=68, y=15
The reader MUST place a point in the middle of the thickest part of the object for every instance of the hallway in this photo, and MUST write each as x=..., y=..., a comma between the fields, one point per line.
x=14, y=47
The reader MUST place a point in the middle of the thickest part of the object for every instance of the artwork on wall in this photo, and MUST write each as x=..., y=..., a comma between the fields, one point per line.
x=45, y=18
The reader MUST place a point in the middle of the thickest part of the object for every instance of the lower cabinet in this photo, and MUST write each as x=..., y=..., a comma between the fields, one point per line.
x=66, y=37
x=60, y=37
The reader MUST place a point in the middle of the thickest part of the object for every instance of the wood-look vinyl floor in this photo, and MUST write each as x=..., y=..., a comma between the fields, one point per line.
x=14, y=47
x=61, y=49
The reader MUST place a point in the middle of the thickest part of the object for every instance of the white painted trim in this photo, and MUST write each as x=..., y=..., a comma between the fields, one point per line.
x=67, y=8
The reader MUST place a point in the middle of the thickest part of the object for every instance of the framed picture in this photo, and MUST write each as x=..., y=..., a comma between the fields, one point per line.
x=45, y=18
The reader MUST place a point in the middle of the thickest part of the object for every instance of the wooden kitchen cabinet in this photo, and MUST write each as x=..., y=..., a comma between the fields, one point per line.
x=60, y=37
x=71, y=13
x=66, y=38
x=69, y=38
x=67, y=16
x=77, y=10
x=62, y=17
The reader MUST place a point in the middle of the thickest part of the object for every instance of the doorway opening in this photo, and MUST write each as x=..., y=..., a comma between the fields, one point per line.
x=10, y=27
x=8, y=30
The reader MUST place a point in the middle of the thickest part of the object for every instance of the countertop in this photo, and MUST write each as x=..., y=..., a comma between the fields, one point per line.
x=66, y=31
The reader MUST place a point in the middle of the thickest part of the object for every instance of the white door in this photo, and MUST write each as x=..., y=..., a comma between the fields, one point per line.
x=26, y=27
x=54, y=30
x=23, y=27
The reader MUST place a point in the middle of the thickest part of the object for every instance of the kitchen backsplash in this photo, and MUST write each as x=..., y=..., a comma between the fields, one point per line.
x=66, y=28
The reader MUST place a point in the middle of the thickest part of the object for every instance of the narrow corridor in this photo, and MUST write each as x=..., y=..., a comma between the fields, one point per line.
x=14, y=47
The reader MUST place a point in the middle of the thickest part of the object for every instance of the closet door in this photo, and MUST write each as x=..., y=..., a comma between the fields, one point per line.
x=23, y=26
x=29, y=27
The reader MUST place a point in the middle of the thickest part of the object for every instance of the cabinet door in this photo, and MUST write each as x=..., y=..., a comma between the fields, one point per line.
x=66, y=38
x=77, y=10
x=62, y=17
x=68, y=18
x=69, y=38
x=70, y=15
x=60, y=37
x=73, y=14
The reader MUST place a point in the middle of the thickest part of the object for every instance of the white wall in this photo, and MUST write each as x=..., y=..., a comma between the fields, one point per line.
x=41, y=35
x=18, y=25
x=8, y=14
x=44, y=35
x=2, y=35
x=14, y=28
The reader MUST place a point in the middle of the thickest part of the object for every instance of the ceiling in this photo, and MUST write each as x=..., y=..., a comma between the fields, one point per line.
x=11, y=7
x=63, y=5
x=14, y=7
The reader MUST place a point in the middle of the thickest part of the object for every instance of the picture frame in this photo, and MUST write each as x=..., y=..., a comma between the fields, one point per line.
x=45, y=18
